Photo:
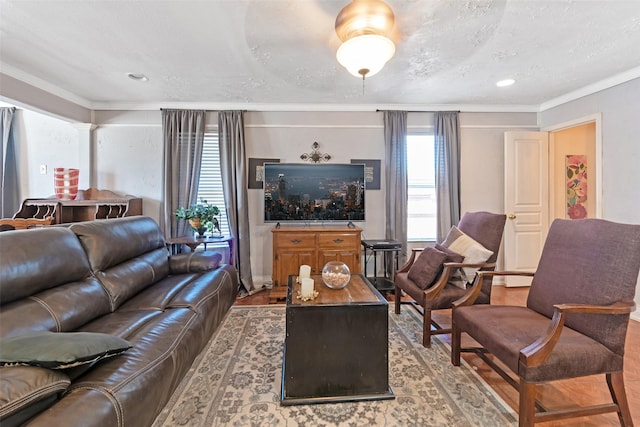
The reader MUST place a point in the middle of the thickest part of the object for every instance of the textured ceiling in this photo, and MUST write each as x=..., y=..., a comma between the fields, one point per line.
x=226, y=53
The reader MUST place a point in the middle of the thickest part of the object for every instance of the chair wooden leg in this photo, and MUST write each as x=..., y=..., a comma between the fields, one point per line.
x=527, y=406
x=426, y=328
x=397, y=297
x=456, y=336
x=615, y=381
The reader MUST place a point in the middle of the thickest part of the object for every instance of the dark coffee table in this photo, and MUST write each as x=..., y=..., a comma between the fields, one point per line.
x=336, y=346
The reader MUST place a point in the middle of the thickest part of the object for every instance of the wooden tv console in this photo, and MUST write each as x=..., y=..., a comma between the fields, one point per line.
x=295, y=246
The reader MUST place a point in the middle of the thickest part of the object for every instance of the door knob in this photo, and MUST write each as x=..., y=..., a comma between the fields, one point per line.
x=511, y=216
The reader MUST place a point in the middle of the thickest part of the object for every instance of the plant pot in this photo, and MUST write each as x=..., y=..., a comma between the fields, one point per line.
x=195, y=223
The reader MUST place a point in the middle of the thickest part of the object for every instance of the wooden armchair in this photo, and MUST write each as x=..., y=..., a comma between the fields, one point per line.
x=575, y=320
x=484, y=227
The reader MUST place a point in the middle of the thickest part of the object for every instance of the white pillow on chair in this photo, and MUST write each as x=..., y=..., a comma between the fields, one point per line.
x=473, y=252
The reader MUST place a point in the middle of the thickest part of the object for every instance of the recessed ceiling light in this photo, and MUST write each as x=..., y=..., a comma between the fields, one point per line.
x=138, y=77
x=505, y=82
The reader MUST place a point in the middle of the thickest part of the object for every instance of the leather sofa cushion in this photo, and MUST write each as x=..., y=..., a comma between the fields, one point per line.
x=194, y=262
x=130, y=277
x=126, y=254
x=190, y=290
x=110, y=242
x=39, y=259
x=26, y=390
x=60, y=309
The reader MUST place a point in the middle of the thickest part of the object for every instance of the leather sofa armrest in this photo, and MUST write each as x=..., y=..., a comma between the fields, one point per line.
x=194, y=262
x=27, y=390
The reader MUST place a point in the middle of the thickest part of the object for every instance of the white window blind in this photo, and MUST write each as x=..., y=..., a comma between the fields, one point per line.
x=421, y=205
x=210, y=187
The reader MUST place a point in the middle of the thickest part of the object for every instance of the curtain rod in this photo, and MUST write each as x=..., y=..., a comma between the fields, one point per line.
x=262, y=111
x=206, y=110
x=421, y=111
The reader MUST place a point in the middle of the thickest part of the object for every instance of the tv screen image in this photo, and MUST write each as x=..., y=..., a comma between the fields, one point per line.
x=313, y=192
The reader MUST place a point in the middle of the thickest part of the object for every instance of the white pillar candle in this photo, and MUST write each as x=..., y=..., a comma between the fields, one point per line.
x=307, y=288
x=305, y=272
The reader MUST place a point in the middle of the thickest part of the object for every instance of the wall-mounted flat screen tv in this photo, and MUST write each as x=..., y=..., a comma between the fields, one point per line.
x=313, y=192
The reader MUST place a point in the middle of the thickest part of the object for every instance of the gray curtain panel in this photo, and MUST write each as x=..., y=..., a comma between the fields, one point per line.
x=233, y=165
x=10, y=196
x=395, y=141
x=183, y=138
x=447, y=154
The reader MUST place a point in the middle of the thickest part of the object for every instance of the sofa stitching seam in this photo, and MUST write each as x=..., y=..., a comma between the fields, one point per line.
x=49, y=310
x=214, y=294
x=104, y=391
x=159, y=359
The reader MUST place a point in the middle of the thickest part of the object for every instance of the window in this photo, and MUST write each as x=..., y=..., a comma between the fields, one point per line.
x=421, y=205
x=210, y=187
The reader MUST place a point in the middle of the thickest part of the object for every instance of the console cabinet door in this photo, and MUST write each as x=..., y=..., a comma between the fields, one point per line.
x=352, y=259
x=344, y=247
x=288, y=263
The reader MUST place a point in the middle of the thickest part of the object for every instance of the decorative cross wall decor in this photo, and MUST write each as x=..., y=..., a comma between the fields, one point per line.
x=315, y=156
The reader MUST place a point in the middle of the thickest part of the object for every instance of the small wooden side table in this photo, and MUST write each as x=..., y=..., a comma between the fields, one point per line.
x=193, y=242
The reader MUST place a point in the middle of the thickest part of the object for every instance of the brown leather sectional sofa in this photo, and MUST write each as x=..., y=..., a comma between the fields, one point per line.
x=115, y=277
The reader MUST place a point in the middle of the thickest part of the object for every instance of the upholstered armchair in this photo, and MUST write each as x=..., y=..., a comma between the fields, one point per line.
x=575, y=320
x=436, y=277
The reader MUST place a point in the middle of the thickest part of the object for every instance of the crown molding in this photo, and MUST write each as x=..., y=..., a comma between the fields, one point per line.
x=45, y=86
x=607, y=83
x=281, y=107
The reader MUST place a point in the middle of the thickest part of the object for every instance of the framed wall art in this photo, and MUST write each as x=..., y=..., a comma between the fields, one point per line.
x=576, y=165
x=372, y=172
x=256, y=171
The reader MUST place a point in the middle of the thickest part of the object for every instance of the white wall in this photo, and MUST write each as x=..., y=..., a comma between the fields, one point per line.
x=128, y=160
x=620, y=109
x=42, y=140
x=127, y=157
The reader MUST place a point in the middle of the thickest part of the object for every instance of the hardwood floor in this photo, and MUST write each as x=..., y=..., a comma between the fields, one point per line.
x=581, y=391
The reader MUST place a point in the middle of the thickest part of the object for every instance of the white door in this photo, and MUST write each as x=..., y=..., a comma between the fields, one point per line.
x=526, y=201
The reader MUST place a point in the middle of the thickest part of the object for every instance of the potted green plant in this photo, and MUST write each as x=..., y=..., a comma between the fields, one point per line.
x=201, y=216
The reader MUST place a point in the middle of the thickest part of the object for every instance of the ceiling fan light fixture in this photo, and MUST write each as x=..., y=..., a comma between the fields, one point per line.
x=368, y=52
x=364, y=27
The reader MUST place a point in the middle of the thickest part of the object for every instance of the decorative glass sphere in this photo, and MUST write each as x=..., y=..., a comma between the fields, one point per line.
x=336, y=274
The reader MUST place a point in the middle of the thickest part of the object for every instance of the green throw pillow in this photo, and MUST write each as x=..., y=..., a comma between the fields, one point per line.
x=59, y=350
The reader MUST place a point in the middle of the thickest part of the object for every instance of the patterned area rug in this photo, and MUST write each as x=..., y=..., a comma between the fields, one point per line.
x=236, y=381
